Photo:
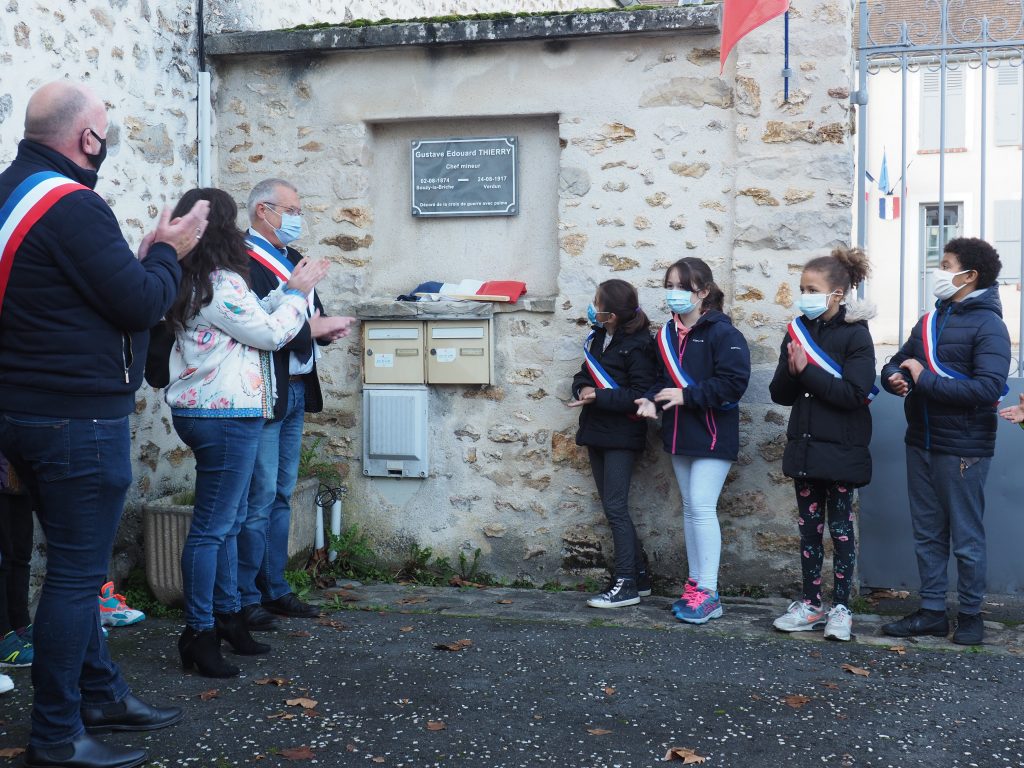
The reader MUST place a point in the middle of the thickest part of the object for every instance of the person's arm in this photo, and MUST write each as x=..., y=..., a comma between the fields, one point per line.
x=730, y=377
x=893, y=365
x=990, y=363
x=238, y=312
x=641, y=372
x=131, y=295
x=784, y=388
x=851, y=391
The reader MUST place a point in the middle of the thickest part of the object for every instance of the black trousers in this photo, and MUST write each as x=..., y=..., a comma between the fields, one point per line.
x=613, y=471
x=16, y=551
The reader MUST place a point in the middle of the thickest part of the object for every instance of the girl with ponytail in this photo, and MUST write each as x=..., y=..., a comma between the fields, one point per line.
x=705, y=366
x=826, y=372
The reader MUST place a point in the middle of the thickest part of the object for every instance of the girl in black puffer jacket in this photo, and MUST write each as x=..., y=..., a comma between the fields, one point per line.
x=618, y=367
x=826, y=372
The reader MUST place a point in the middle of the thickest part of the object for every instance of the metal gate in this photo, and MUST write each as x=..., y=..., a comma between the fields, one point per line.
x=945, y=119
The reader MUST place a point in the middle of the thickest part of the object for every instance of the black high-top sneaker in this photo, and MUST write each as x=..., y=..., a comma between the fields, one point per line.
x=621, y=593
x=643, y=577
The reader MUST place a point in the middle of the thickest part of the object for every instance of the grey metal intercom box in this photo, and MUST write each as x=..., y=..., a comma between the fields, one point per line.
x=395, y=430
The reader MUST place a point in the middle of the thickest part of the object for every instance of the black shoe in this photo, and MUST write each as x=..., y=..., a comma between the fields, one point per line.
x=83, y=752
x=129, y=714
x=920, y=622
x=290, y=605
x=643, y=584
x=202, y=650
x=258, y=619
x=970, y=629
x=231, y=627
x=621, y=593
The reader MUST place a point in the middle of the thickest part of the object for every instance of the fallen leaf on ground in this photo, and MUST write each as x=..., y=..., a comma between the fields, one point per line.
x=687, y=755
x=899, y=649
x=301, y=702
x=311, y=713
x=888, y=594
x=297, y=753
x=413, y=600
x=795, y=700
x=377, y=759
x=436, y=725
x=538, y=717
x=756, y=697
x=299, y=633
x=856, y=670
x=11, y=751
x=598, y=731
x=343, y=595
x=403, y=702
x=830, y=685
x=609, y=691
x=458, y=645
x=815, y=654
x=281, y=716
x=332, y=624
x=458, y=581
x=503, y=602
x=210, y=694
x=405, y=629
x=271, y=681
x=350, y=748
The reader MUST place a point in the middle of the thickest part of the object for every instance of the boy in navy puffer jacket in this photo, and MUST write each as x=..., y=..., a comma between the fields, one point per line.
x=952, y=372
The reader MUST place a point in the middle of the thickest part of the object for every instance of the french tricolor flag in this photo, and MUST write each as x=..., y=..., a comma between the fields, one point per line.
x=889, y=207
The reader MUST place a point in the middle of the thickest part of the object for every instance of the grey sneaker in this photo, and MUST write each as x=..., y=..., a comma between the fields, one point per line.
x=620, y=594
x=840, y=623
x=800, y=617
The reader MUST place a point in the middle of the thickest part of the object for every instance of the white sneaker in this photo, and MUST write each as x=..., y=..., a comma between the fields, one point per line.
x=800, y=617
x=840, y=622
x=6, y=684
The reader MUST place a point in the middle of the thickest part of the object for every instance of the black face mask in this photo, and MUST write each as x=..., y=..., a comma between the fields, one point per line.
x=99, y=157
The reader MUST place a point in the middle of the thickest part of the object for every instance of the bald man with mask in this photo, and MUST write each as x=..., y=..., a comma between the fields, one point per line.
x=75, y=308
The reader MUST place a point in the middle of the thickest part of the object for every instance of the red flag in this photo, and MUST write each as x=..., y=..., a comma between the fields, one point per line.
x=742, y=16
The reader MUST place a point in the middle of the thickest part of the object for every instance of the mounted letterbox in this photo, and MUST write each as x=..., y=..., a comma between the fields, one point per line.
x=459, y=352
x=392, y=352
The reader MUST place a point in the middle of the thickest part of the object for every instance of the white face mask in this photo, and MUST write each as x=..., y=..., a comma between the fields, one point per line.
x=944, y=288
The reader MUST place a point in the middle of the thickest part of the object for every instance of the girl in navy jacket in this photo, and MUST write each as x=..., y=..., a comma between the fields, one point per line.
x=618, y=367
x=704, y=369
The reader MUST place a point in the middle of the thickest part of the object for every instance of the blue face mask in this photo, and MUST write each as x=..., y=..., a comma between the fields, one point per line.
x=592, y=315
x=291, y=228
x=679, y=301
x=813, y=305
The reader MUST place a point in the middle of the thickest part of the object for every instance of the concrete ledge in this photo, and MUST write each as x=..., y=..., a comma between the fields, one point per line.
x=702, y=19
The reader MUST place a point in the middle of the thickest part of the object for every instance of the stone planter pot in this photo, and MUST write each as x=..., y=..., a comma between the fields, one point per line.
x=165, y=526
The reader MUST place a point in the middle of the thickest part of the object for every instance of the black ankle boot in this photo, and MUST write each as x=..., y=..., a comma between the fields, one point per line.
x=231, y=627
x=202, y=649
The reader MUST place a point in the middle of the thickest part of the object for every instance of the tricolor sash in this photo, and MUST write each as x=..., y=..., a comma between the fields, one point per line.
x=817, y=356
x=669, y=356
x=27, y=204
x=930, y=339
x=266, y=254
x=602, y=379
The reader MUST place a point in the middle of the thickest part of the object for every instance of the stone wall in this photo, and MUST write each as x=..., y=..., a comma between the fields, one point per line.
x=660, y=158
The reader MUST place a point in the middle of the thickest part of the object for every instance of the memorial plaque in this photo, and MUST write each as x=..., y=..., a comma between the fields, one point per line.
x=465, y=177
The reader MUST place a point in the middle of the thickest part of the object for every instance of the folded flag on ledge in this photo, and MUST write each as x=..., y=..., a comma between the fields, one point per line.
x=468, y=290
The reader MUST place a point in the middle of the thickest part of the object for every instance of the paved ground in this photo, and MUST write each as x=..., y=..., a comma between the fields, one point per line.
x=548, y=682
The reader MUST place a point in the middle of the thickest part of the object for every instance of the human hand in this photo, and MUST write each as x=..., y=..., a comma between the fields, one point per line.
x=646, y=409
x=669, y=397
x=913, y=367
x=184, y=232
x=797, y=357
x=899, y=384
x=1014, y=413
x=329, y=328
x=586, y=396
x=307, y=274
x=144, y=246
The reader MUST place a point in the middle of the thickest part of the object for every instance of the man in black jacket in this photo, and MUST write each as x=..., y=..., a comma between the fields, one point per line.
x=275, y=216
x=73, y=337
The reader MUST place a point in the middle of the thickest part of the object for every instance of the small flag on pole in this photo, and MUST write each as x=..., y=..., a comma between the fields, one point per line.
x=867, y=187
x=742, y=16
x=883, y=176
x=889, y=207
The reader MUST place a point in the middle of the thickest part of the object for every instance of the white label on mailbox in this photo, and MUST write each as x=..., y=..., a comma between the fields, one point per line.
x=384, y=360
x=392, y=333
x=446, y=354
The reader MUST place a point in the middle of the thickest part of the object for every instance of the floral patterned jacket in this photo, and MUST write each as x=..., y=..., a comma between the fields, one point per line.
x=220, y=364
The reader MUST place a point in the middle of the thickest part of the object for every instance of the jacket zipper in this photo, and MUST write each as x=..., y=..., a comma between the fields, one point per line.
x=127, y=355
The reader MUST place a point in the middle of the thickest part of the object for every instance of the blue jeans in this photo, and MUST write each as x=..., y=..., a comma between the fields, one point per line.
x=947, y=505
x=225, y=451
x=263, y=541
x=78, y=470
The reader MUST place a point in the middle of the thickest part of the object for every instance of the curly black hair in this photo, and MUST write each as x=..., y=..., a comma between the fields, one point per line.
x=974, y=253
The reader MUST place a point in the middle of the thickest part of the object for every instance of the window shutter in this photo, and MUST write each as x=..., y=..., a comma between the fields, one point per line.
x=1006, y=237
x=1007, y=106
x=929, y=110
x=956, y=109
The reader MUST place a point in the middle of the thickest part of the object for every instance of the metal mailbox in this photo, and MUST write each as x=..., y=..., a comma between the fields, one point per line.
x=393, y=352
x=459, y=352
